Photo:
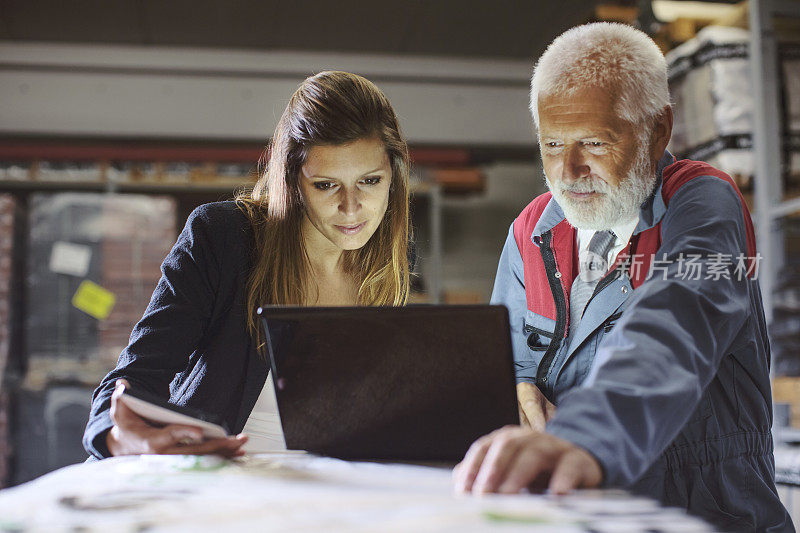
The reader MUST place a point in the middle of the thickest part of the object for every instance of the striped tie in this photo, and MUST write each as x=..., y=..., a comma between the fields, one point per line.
x=593, y=264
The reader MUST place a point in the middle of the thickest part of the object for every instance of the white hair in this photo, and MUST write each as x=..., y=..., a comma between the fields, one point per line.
x=605, y=55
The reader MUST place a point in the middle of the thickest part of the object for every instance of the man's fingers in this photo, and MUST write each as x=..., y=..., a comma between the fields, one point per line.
x=467, y=470
x=523, y=420
x=532, y=404
x=576, y=469
x=549, y=410
x=498, y=458
x=514, y=457
x=534, y=414
x=527, y=391
x=526, y=467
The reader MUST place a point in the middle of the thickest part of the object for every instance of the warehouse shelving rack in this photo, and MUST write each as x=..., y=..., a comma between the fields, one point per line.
x=426, y=193
x=770, y=206
x=769, y=198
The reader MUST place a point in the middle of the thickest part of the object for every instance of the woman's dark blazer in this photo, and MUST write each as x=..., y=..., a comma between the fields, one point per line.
x=192, y=343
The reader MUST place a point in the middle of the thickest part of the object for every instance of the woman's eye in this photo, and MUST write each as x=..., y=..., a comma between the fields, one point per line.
x=373, y=180
x=595, y=144
x=324, y=185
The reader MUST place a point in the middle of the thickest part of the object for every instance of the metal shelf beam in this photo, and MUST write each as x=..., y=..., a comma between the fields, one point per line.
x=786, y=208
x=767, y=140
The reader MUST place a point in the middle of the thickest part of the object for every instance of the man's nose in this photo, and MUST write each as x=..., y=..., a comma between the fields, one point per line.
x=575, y=165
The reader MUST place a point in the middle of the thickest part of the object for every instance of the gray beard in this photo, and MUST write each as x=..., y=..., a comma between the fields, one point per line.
x=615, y=205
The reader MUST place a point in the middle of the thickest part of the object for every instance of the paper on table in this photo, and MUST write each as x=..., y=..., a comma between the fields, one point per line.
x=284, y=492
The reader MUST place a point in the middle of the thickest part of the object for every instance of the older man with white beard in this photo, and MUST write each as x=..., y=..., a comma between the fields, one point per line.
x=638, y=331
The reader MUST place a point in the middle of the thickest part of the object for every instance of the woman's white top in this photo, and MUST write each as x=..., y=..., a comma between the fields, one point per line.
x=264, y=424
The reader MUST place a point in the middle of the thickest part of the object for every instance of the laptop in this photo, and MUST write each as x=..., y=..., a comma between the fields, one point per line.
x=417, y=383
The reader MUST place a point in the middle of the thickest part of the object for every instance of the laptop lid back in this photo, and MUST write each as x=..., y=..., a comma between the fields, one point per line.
x=407, y=383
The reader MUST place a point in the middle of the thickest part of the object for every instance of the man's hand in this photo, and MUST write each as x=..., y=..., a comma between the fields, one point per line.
x=132, y=435
x=513, y=458
x=534, y=409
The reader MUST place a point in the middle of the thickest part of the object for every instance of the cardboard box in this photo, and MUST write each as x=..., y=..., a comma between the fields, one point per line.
x=787, y=390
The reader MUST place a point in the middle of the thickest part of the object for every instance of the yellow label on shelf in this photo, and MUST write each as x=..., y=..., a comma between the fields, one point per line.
x=94, y=300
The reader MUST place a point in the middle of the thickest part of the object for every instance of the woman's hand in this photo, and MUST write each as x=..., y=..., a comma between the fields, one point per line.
x=132, y=435
x=534, y=409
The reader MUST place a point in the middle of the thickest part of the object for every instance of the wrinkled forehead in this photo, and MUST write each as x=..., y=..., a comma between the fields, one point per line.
x=587, y=109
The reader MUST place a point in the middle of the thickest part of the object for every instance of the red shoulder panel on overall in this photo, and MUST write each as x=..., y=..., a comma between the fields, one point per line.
x=682, y=171
x=642, y=247
x=537, y=289
x=676, y=176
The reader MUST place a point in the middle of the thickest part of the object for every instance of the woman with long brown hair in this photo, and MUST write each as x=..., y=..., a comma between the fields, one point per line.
x=327, y=223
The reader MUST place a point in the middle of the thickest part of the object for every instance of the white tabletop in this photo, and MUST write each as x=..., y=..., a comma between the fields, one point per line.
x=300, y=492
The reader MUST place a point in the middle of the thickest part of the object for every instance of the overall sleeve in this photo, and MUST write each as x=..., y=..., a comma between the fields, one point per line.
x=176, y=318
x=509, y=290
x=650, y=372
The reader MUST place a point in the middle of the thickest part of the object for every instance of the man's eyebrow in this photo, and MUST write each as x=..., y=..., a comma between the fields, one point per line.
x=607, y=133
x=583, y=135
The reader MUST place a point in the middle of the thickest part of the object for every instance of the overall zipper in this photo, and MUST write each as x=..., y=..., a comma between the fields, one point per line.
x=551, y=268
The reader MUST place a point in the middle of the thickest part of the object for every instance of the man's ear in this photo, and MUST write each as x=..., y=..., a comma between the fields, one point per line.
x=662, y=132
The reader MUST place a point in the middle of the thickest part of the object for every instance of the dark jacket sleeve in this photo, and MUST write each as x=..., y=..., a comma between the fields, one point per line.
x=179, y=312
x=650, y=372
